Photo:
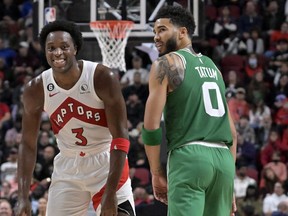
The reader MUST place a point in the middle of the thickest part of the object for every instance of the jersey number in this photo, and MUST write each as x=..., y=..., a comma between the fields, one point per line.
x=79, y=135
x=220, y=110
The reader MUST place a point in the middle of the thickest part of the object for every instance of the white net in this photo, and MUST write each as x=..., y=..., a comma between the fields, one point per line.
x=112, y=36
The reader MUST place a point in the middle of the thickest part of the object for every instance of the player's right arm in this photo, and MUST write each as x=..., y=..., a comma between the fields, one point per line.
x=33, y=100
x=166, y=75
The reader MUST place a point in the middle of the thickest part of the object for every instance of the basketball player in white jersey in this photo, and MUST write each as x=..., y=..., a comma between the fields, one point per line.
x=88, y=117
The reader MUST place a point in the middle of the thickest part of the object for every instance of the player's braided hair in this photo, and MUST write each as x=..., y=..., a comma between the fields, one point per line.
x=179, y=16
x=61, y=25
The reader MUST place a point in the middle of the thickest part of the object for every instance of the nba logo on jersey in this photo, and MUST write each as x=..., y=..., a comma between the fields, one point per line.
x=50, y=14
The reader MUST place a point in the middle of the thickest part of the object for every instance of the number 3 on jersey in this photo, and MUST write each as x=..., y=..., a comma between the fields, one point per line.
x=79, y=135
x=215, y=112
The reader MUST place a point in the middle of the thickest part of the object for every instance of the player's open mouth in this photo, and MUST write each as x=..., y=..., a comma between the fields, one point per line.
x=59, y=63
x=158, y=45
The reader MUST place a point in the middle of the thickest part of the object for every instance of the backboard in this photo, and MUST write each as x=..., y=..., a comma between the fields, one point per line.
x=141, y=12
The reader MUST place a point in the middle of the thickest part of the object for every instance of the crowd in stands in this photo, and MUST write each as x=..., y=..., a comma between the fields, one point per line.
x=247, y=39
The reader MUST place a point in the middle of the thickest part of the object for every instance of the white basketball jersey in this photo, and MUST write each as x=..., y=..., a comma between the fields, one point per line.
x=77, y=115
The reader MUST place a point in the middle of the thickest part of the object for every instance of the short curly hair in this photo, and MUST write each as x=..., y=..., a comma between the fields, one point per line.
x=62, y=25
x=179, y=16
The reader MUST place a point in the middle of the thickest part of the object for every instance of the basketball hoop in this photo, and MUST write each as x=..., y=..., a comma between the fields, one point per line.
x=112, y=36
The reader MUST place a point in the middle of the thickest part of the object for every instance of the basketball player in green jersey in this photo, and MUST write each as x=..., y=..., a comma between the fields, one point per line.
x=201, y=137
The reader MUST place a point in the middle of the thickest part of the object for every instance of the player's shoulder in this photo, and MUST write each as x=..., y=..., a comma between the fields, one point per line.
x=104, y=75
x=167, y=62
x=34, y=84
x=33, y=94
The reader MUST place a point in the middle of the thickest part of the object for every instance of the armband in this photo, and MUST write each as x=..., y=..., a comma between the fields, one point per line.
x=152, y=137
x=120, y=144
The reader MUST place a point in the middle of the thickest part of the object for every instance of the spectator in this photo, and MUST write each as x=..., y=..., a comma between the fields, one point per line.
x=255, y=43
x=9, y=168
x=141, y=197
x=263, y=132
x=5, y=91
x=274, y=145
x=282, y=87
x=5, y=116
x=285, y=137
x=5, y=71
x=267, y=181
x=253, y=66
x=5, y=52
x=45, y=163
x=278, y=167
x=245, y=130
x=273, y=17
x=246, y=151
x=5, y=191
x=281, y=118
x=279, y=102
x=281, y=70
x=238, y=105
x=127, y=78
x=242, y=181
x=251, y=201
x=231, y=45
x=6, y=208
x=13, y=135
x=9, y=11
x=279, y=34
x=42, y=205
x=257, y=89
x=18, y=89
x=249, y=19
x=135, y=110
x=271, y=202
x=224, y=24
x=279, y=55
x=137, y=87
x=24, y=62
x=257, y=112
x=282, y=209
x=232, y=83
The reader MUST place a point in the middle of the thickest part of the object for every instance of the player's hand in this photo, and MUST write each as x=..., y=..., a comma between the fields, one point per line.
x=159, y=183
x=234, y=206
x=23, y=208
x=109, y=205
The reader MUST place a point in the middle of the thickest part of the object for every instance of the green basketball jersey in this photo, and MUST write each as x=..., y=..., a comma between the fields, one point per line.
x=197, y=109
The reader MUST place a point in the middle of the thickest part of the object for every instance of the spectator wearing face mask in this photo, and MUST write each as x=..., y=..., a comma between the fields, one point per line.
x=252, y=66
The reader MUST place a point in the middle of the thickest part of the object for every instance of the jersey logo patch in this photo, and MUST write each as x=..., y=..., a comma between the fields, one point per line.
x=50, y=87
x=84, y=88
x=53, y=94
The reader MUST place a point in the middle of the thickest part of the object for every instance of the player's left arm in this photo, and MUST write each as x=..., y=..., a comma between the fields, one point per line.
x=108, y=88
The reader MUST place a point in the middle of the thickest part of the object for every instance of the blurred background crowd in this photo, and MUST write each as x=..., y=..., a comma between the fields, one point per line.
x=247, y=39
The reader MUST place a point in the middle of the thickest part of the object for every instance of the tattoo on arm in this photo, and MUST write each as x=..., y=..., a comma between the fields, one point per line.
x=171, y=66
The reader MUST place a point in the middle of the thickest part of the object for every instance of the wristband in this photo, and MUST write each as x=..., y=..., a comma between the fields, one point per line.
x=120, y=144
x=152, y=137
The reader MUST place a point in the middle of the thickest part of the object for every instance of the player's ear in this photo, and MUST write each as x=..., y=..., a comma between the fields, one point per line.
x=75, y=49
x=182, y=32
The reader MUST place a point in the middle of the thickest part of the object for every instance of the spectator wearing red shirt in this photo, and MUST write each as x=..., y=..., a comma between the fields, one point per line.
x=252, y=66
x=5, y=114
x=277, y=35
x=238, y=105
x=274, y=145
x=281, y=118
x=285, y=137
